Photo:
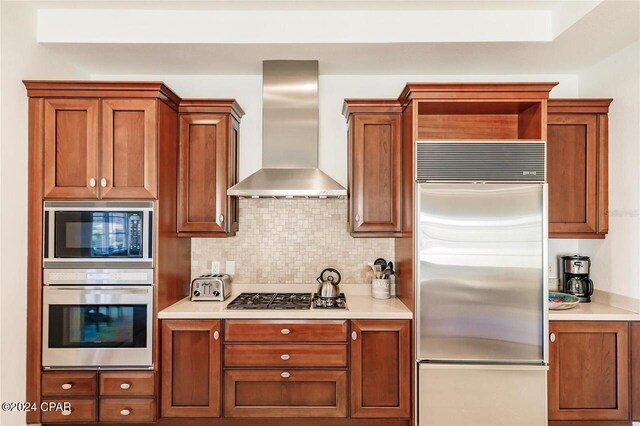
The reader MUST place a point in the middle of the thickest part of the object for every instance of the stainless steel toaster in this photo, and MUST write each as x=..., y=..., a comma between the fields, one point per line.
x=210, y=287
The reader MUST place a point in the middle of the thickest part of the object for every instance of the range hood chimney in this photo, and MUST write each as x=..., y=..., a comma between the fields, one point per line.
x=289, y=136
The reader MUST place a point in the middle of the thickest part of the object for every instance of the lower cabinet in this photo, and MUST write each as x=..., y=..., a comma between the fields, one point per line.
x=588, y=370
x=380, y=369
x=190, y=368
x=285, y=393
x=108, y=396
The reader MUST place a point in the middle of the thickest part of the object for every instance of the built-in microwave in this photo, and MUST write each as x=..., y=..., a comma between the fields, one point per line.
x=98, y=234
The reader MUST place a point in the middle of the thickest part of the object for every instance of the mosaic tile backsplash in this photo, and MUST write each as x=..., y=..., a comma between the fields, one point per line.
x=291, y=241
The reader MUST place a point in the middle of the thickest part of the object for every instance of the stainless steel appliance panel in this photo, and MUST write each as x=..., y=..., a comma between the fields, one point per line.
x=98, y=234
x=97, y=327
x=482, y=395
x=481, y=273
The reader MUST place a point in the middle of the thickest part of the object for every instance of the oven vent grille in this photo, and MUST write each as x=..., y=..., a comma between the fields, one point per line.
x=454, y=161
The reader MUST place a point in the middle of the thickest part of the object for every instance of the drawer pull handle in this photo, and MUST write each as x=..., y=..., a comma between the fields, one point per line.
x=216, y=335
x=285, y=375
x=284, y=357
x=125, y=412
x=285, y=331
x=552, y=337
x=92, y=182
x=103, y=182
x=66, y=413
x=125, y=386
x=67, y=386
x=354, y=335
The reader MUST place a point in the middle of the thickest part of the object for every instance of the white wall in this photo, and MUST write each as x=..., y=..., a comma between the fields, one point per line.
x=616, y=259
x=21, y=59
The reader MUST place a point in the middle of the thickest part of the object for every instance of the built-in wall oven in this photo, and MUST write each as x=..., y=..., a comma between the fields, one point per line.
x=98, y=234
x=97, y=318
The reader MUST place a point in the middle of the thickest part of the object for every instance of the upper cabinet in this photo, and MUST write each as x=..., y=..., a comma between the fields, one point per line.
x=128, y=148
x=374, y=168
x=100, y=138
x=577, y=167
x=208, y=166
x=71, y=144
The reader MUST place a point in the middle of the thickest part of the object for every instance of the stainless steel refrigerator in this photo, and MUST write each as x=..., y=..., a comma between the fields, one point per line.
x=481, y=261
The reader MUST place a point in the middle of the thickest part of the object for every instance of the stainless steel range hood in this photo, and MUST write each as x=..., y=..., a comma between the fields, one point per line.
x=289, y=136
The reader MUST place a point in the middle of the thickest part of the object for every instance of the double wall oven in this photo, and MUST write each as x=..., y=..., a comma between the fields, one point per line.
x=98, y=276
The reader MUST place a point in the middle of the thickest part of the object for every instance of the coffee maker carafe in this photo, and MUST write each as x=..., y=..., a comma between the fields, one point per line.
x=575, y=277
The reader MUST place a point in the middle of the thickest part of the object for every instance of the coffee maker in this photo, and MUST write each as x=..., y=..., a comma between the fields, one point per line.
x=574, y=271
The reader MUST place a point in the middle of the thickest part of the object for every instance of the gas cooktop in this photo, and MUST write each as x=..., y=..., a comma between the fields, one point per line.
x=271, y=301
x=286, y=301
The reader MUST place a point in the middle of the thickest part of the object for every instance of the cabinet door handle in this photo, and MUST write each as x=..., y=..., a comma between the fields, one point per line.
x=92, y=182
x=354, y=335
x=285, y=375
x=67, y=386
x=221, y=218
x=125, y=412
x=103, y=182
x=285, y=331
x=216, y=335
x=552, y=337
x=66, y=412
x=125, y=386
x=284, y=357
x=357, y=218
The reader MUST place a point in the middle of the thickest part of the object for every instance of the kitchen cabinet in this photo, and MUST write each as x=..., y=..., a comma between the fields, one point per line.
x=190, y=368
x=70, y=132
x=285, y=393
x=374, y=173
x=588, y=370
x=635, y=371
x=208, y=166
x=128, y=148
x=577, y=168
x=380, y=369
x=84, y=161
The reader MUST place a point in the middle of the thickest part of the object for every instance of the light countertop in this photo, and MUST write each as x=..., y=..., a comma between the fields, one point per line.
x=593, y=311
x=360, y=305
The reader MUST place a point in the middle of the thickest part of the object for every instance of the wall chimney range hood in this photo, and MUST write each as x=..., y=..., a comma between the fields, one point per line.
x=289, y=136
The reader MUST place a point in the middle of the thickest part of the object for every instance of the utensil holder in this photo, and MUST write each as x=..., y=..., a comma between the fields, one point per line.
x=381, y=288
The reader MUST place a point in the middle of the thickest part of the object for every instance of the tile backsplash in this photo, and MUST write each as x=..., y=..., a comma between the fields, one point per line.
x=291, y=241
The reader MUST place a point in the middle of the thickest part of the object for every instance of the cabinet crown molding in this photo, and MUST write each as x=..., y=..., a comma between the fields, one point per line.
x=101, y=89
x=368, y=106
x=212, y=106
x=579, y=105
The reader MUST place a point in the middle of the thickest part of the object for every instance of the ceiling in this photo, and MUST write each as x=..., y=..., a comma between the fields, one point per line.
x=578, y=34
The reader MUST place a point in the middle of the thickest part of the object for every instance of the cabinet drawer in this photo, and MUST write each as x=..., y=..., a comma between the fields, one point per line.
x=285, y=331
x=127, y=383
x=127, y=410
x=68, y=383
x=285, y=393
x=82, y=410
x=285, y=356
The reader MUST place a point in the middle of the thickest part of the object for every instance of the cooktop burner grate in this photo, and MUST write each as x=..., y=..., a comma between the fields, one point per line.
x=271, y=301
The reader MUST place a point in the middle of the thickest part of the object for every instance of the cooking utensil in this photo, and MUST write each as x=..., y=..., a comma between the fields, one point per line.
x=328, y=283
x=380, y=261
x=388, y=271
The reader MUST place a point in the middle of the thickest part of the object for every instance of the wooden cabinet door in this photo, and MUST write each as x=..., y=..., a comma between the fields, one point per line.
x=190, y=368
x=635, y=371
x=203, y=173
x=375, y=178
x=129, y=148
x=285, y=393
x=572, y=161
x=71, y=148
x=588, y=370
x=380, y=369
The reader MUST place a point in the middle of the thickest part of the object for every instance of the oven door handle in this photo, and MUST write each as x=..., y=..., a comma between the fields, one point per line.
x=102, y=290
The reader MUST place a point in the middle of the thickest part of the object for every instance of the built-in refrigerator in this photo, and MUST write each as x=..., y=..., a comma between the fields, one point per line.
x=481, y=262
